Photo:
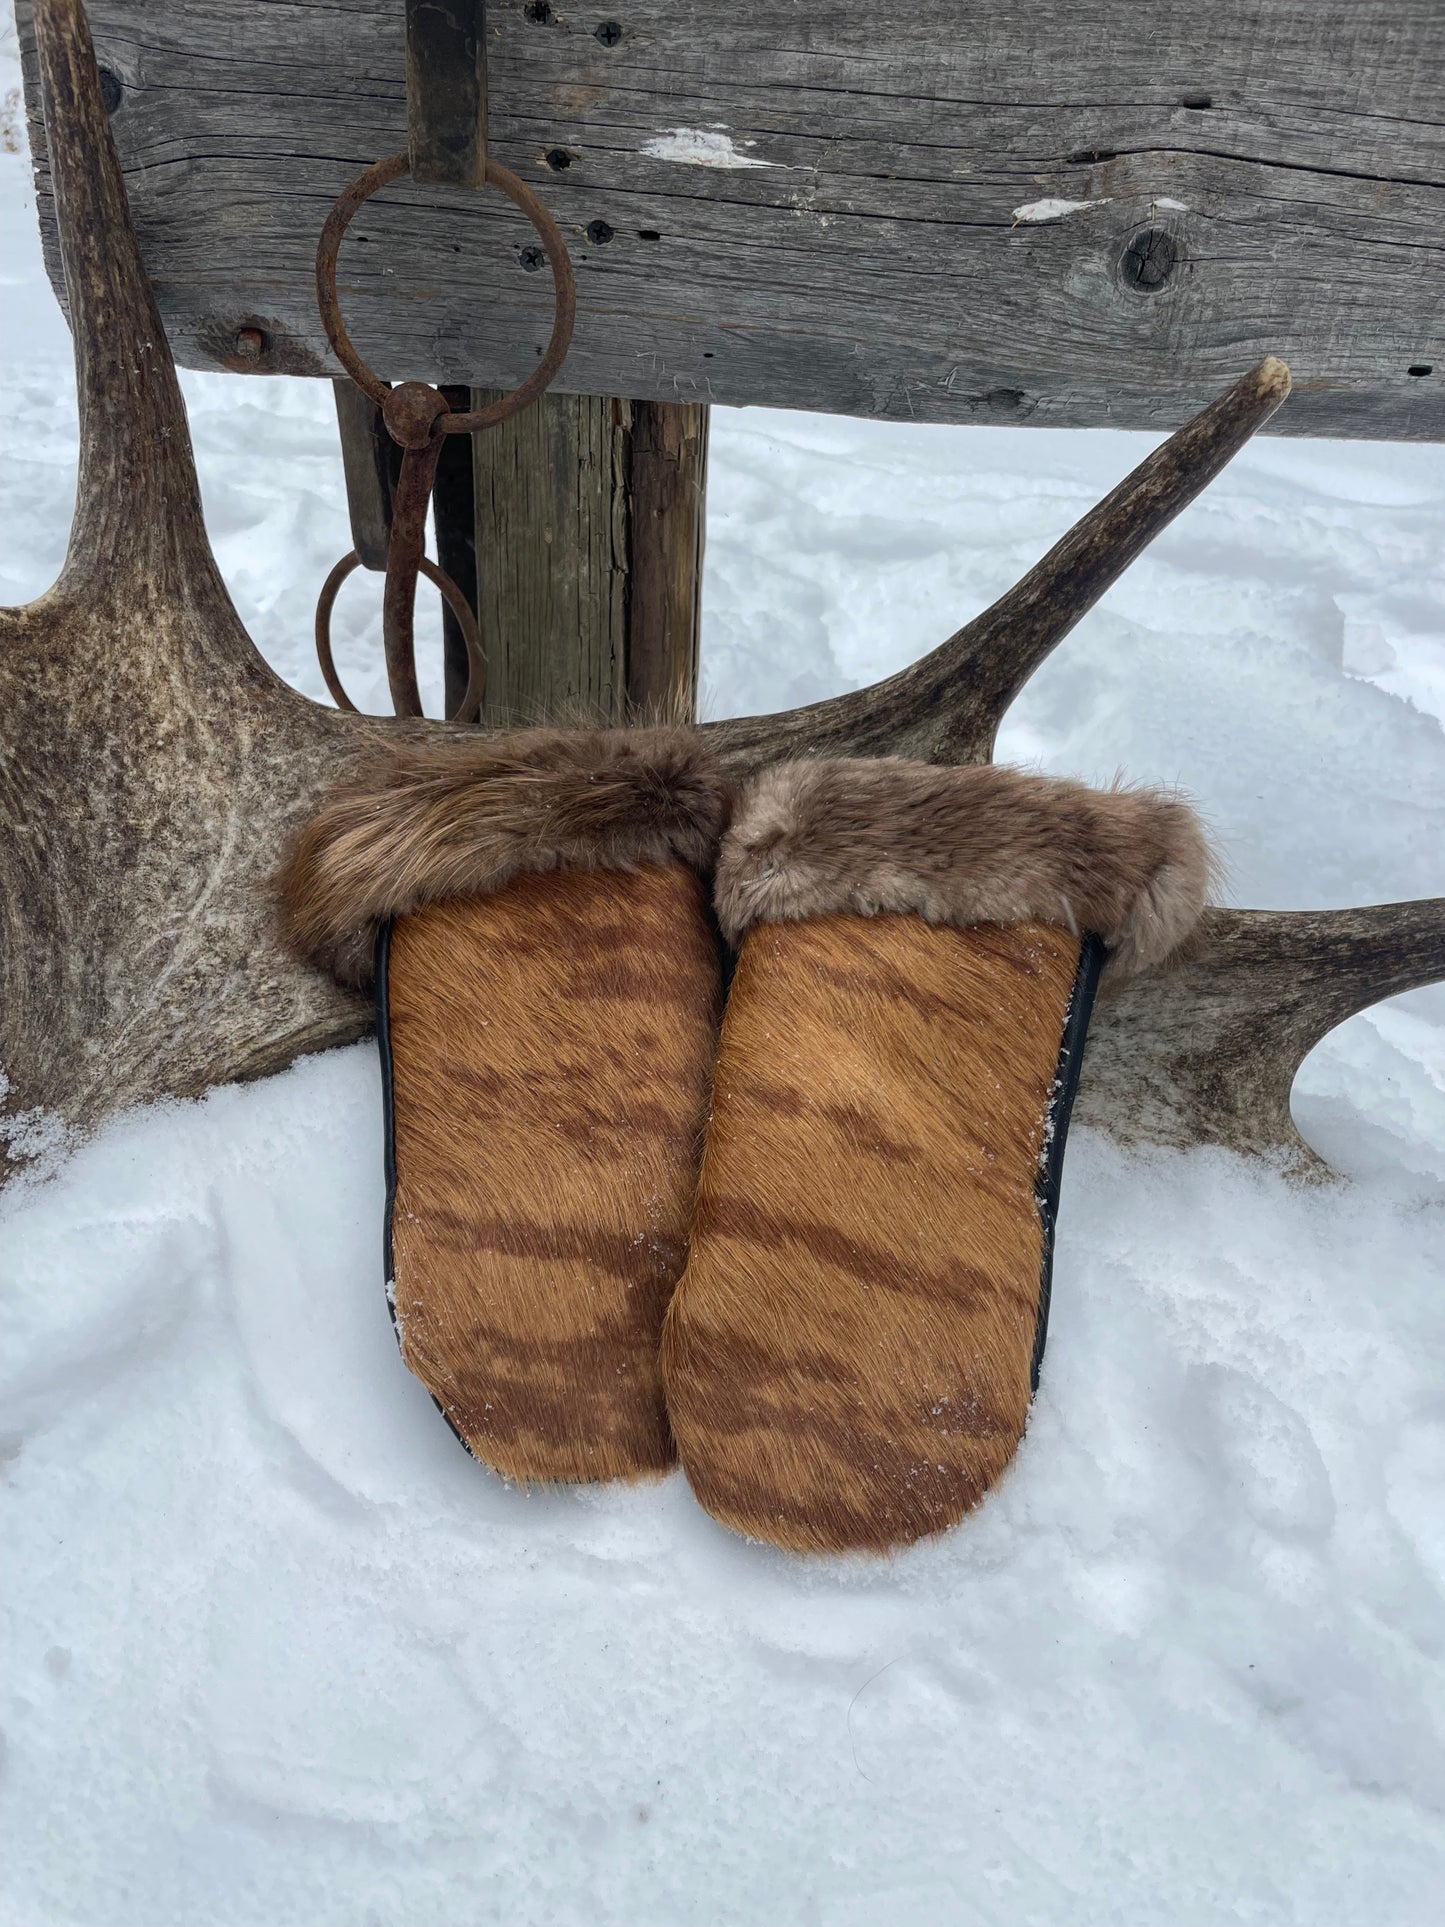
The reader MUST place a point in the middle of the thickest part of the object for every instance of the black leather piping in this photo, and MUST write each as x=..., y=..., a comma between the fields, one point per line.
x=388, y=1125
x=1056, y=1131
x=388, y=1104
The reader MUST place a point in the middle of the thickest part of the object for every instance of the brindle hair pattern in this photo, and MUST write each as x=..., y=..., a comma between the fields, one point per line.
x=847, y=1359
x=551, y=1008
x=980, y=844
x=552, y=1048
x=464, y=813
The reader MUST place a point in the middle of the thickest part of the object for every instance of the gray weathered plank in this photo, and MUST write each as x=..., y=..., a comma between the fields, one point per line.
x=1261, y=176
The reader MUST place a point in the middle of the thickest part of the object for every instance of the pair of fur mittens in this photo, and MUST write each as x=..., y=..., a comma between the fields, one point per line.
x=800, y=1239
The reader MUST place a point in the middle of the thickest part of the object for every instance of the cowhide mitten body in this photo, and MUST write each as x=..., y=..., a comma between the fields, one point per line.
x=850, y=1356
x=548, y=1011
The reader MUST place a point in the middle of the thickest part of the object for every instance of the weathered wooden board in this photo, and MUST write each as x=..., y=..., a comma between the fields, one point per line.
x=836, y=226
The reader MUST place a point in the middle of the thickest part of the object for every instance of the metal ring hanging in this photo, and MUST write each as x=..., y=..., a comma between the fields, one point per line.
x=417, y=414
x=471, y=704
x=457, y=422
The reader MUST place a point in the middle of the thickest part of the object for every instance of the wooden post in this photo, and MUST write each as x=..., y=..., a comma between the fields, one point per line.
x=668, y=525
x=588, y=514
x=589, y=540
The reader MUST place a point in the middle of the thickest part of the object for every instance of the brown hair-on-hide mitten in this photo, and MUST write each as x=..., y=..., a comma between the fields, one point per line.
x=849, y=1357
x=548, y=1019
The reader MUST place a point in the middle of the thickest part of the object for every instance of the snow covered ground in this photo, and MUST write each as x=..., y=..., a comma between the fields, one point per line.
x=278, y=1654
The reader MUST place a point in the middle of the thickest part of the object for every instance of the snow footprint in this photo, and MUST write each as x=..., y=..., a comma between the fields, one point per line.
x=90, y=1299
x=1414, y=1480
x=909, y=1721
x=324, y=1704
x=1265, y=1455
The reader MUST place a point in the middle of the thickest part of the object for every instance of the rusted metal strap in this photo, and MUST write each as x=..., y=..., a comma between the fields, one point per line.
x=403, y=562
x=446, y=92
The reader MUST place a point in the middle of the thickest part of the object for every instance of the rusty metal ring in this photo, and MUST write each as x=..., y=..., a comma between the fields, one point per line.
x=471, y=704
x=565, y=286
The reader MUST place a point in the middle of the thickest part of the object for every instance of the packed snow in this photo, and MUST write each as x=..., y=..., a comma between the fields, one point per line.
x=278, y=1654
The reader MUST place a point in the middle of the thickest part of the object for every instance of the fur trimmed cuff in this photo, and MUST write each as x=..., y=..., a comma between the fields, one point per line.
x=979, y=844
x=462, y=816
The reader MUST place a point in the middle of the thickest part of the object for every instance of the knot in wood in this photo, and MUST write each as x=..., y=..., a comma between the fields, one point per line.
x=1148, y=260
x=411, y=411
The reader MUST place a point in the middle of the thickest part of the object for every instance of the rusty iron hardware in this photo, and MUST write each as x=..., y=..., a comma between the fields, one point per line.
x=417, y=415
x=470, y=707
x=446, y=92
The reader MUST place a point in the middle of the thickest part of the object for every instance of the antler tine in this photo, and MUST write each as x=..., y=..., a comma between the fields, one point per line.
x=137, y=497
x=1207, y=1053
x=947, y=707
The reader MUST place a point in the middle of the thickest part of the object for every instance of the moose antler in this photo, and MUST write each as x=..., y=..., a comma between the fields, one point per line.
x=150, y=762
x=1206, y=1053
x=947, y=707
x=151, y=765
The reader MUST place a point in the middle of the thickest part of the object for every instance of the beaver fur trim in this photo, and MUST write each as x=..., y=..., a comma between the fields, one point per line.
x=961, y=846
x=462, y=816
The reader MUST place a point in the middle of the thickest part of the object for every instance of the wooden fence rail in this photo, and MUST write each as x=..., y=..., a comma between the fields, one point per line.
x=1089, y=213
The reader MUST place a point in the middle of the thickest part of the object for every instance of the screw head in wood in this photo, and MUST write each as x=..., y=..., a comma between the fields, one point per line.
x=250, y=344
x=609, y=33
